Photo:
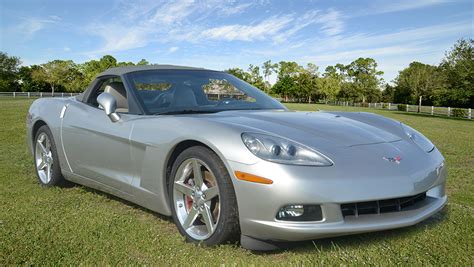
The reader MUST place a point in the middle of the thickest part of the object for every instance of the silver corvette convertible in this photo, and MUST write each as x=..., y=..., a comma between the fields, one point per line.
x=226, y=161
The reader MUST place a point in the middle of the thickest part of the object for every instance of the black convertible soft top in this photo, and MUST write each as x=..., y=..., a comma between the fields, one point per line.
x=128, y=69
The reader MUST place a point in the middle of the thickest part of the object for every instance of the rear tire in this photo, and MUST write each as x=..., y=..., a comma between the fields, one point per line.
x=210, y=219
x=46, y=159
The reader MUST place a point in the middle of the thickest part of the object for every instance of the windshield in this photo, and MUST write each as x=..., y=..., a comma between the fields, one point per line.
x=197, y=91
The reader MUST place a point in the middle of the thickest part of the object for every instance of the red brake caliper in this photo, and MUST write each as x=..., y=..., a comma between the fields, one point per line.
x=188, y=199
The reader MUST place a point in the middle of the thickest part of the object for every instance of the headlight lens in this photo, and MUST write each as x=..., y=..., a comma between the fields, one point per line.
x=281, y=150
x=419, y=139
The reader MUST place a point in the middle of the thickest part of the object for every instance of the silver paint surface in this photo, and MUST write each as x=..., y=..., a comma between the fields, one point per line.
x=128, y=158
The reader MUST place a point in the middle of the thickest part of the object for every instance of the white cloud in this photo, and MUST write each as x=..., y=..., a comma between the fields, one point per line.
x=402, y=5
x=393, y=51
x=403, y=36
x=173, y=12
x=173, y=49
x=66, y=49
x=231, y=10
x=384, y=6
x=332, y=23
x=143, y=23
x=278, y=28
x=260, y=31
x=187, y=20
x=317, y=36
x=118, y=38
x=55, y=18
x=29, y=26
x=351, y=54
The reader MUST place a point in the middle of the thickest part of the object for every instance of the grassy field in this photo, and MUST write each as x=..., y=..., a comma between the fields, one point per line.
x=78, y=225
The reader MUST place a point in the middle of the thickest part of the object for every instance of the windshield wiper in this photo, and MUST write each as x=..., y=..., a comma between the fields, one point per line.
x=186, y=111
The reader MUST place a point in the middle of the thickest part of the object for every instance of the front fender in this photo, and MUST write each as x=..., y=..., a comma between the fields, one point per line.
x=47, y=111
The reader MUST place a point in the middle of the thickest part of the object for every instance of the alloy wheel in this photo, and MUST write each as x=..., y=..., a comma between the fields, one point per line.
x=196, y=198
x=44, y=158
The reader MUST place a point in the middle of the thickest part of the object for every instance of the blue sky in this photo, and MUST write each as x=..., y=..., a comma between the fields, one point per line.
x=223, y=34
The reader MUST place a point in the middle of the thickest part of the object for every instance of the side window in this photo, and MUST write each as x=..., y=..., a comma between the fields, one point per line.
x=115, y=87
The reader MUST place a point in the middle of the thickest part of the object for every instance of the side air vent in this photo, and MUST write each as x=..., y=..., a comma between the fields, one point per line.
x=381, y=206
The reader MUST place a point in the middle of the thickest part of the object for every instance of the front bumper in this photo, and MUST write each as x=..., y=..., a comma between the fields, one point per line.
x=291, y=231
x=330, y=187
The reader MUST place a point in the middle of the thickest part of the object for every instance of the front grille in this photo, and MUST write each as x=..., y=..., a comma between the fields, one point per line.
x=381, y=206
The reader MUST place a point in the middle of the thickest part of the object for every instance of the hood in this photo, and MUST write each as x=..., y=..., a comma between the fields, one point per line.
x=305, y=127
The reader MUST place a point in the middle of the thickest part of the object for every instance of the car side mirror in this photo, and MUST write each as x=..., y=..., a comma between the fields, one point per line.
x=109, y=104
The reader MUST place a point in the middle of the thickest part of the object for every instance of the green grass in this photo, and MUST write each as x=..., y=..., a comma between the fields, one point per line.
x=79, y=225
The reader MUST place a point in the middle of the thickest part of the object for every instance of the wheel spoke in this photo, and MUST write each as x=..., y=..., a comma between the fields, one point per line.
x=41, y=138
x=192, y=215
x=197, y=174
x=183, y=188
x=40, y=143
x=48, y=173
x=42, y=165
x=207, y=217
x=211, y=193
x=48, y=146
x=186, y=171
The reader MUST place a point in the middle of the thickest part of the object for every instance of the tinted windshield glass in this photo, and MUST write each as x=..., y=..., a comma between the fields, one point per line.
x=182, y=91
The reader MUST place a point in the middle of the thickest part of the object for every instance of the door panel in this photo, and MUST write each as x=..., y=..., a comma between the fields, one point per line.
x=96, y=147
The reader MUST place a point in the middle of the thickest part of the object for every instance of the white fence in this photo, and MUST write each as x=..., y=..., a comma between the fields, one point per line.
x=430, y=110
x=35, y=94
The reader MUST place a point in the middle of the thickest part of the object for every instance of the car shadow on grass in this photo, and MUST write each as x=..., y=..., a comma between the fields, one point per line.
x=325, y=244
x=359, y=240
x=123, y=201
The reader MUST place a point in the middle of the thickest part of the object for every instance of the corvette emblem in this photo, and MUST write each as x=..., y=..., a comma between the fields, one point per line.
x=396, y=159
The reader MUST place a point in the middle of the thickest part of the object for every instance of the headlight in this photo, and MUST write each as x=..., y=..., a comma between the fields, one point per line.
x=419, y=139
x=281, y=150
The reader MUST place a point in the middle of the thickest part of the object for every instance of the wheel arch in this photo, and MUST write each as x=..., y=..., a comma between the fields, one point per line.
x=176, y=151
x=36, y=126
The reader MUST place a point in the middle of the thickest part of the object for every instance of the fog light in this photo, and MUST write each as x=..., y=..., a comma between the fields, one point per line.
x=291, y=211
x=300, y=213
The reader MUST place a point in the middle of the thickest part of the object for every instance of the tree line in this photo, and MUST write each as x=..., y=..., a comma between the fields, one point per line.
x=450, y=83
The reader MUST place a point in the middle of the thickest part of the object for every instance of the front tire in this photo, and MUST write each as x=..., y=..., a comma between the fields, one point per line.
x=202, y=197
x=46, y=159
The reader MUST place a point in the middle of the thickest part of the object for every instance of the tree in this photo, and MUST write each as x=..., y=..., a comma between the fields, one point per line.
x=9, y=72
x=57, y=73
x=420, y=80
x=255, y=77
x=92, y=68
x=365, y=77
x=307, y=81
x=285, y=86
x=304, y=85
x=288, y=68
x=28, y=84
x=142, y=62
x=329, y=86
x=388, y=93
x=268, y=68
x=458, y=69
x=240, y=73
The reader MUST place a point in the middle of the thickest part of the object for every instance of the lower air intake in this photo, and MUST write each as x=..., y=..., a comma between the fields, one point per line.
x=381, y=206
